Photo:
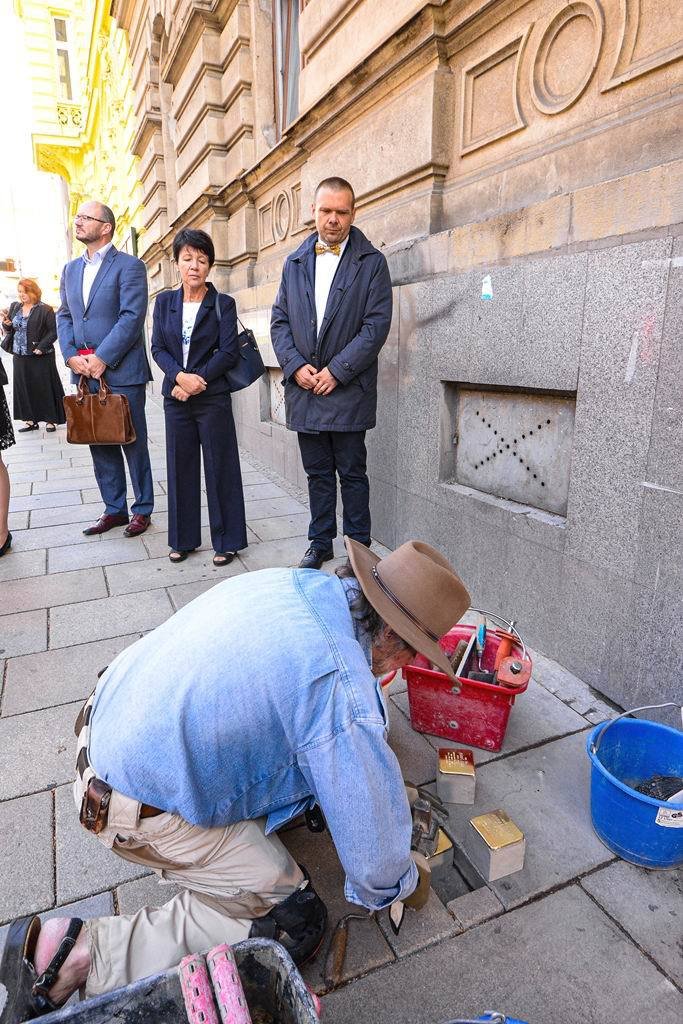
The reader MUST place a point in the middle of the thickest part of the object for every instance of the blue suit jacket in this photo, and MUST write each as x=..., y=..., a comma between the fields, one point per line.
x=213, y=348
x=112, y=322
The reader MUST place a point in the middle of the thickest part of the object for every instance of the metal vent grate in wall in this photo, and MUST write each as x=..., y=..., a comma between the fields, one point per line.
x=512, y=444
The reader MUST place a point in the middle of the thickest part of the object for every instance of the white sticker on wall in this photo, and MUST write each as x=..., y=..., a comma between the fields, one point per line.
x=669, y=818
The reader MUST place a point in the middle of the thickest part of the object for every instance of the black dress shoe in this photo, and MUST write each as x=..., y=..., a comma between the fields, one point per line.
x=298, y=923
x=314, y=558
x=7, y=545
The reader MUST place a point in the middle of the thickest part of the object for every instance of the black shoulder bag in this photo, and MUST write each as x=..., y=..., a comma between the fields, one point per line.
x=249, y=366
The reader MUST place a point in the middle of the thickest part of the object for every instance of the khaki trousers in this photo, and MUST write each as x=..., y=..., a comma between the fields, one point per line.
x=230, y=876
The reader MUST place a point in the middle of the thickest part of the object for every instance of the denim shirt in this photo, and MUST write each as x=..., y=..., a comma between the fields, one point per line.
x=257, y=699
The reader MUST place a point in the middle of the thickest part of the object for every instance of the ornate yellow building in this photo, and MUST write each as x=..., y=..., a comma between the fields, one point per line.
x=83, y=120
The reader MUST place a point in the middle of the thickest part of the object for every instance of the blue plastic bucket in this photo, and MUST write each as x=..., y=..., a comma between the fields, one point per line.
x=624, y=753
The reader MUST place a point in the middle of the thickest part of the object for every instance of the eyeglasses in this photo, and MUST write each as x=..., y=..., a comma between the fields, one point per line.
x=85, y=216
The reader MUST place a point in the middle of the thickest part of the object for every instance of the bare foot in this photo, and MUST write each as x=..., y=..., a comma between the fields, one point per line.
x=75, y=968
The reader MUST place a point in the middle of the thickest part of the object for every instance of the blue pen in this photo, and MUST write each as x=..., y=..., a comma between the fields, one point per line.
x=480, y=642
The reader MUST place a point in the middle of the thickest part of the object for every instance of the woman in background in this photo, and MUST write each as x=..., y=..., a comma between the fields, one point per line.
x=6, y=441
x=195, y=346
x=30, y=334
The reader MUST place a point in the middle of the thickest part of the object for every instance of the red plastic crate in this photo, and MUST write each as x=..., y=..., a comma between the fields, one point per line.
x=478, y=714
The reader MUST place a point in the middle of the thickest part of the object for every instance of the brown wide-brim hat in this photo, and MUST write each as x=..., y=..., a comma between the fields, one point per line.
x=416, y=591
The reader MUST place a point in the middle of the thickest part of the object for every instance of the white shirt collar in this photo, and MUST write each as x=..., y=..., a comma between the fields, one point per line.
x=98, y=255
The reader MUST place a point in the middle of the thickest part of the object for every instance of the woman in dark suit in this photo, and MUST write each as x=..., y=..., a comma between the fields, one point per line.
x=195, y=349
x=31, y=332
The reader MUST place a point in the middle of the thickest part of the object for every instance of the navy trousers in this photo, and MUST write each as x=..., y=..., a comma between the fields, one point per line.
x=110, y=471
x=203, y=423
x=324, y=456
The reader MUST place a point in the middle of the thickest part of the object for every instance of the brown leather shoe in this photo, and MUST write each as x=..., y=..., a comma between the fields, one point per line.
x=105, y=523
x=138, y=525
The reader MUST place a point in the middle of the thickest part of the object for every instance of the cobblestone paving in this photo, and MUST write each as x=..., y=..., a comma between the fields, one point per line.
x=575, y=936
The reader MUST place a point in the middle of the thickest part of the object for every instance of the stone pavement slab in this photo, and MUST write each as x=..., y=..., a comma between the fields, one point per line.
x=84, y=865
x=648, y=905
x=148, y=891
x=283, y=526
x=58, y=589
x=545, y=791
x=61, y=515
x=17, y=521
x=475, y=907
x=51, y=537
x=49, y=735
x=23, y=633
x=185, y=592
x=558, y=961
x=76, y=482
x=26, y=855
x=264, y=508
x=109, y=617
x=58, y=677
x=572, y=691
x=35, y=502
x=535, y=717
x=160, y=572
x=418, y=929
x=110, y=551
x=367, y=948
x=273, y=553
x=266, y=489
x=23, y=564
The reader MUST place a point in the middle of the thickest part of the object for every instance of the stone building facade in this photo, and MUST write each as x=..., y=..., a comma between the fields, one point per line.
x=527, y=150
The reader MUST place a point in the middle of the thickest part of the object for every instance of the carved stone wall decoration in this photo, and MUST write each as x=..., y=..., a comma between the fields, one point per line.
x=490, y=96
x=282, y=213
x=646, y=33
x=567, y=56
x=265, y=226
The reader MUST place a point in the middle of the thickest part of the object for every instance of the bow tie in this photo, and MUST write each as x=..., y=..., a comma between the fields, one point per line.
x=320, y=248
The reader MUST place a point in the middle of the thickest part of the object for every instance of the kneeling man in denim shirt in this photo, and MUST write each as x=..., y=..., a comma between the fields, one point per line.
x=255, y=702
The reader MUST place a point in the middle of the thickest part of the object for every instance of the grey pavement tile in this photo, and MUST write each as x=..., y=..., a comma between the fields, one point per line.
x=560, y=959
x=23, y=633
x=60, y=515
x=536, y=716
x=419, y=928
x=648, y=905
x=185, y=592
x=112, y=550
x=66, y=473
x=546, y=792
x=571, y=690
x=91, y=494
x=17, y=521
x=253, y=492
x=265, y=508
x=19, y=460
x=26, y=855
x=39, y=501
x=160, y=572
x=28, y=476
x=273, y=553
x=20, y=489
x=51, y=537
x=74, y=483
x=416, y=757
x=475, y=907
x=149, y=891
x=283, y=526
x=111, y=616
x=19, y=564
x=49, y=735
x=84, y=865
x=367, y=947
x=253, y=476
x=58, y=677
x=55, y=589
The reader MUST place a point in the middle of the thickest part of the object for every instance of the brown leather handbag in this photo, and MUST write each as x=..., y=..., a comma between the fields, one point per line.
x=101, y=418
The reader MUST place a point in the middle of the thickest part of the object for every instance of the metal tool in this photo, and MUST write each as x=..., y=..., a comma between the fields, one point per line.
x=480, y=642
x=336, y=953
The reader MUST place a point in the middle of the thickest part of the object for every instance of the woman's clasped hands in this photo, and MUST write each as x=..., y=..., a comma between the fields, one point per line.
x=187, y=385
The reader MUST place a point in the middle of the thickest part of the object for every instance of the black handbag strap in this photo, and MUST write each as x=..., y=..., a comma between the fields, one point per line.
x=218, y=311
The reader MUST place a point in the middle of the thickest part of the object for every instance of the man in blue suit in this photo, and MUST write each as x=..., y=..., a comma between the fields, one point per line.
x=330, y=319
x=100, y=327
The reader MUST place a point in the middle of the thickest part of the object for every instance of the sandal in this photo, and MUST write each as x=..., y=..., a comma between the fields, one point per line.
x=177, y=556
x=50, y=428
x=27, y=995
x=222, y=558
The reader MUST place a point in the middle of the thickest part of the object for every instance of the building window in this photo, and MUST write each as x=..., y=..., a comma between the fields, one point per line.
x=287, y=62
x=63, y=58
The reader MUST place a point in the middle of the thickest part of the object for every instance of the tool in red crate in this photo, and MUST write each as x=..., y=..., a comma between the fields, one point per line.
x=475, y=709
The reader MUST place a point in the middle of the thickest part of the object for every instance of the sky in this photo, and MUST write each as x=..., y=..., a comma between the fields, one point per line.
x=31, y=201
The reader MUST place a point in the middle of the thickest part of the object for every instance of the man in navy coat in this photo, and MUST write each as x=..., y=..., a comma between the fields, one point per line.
x=100, y=327
x=331, y=317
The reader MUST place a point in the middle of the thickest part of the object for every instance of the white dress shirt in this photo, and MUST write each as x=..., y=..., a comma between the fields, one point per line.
x=92, y=265
x=325, y=268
